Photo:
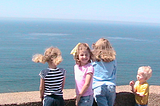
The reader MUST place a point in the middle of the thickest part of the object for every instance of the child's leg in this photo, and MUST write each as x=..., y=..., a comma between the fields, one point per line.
x=100, y=97
x=105, y=95
x=48, y=101
x=111, y=94
x=53, y=101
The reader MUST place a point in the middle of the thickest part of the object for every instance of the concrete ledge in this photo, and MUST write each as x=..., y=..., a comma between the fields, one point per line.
x=123, y=97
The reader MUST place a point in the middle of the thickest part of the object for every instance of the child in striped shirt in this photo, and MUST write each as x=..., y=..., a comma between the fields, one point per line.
x=52, y=79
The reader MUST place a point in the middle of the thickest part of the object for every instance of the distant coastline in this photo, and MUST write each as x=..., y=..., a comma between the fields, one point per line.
x=76, y=20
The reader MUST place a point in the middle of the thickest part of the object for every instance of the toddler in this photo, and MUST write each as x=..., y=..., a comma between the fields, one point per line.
x=141, y=88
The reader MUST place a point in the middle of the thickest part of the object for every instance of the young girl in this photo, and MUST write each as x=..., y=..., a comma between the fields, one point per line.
x=83, y=74
x=105, y=67
x=141, y=88
x=52, y=79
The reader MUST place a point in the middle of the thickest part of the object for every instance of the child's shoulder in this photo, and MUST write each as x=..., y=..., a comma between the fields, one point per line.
x=62, y=69
x=146, y=84
x=90, y=64
x=142, y=85
x=45, y=70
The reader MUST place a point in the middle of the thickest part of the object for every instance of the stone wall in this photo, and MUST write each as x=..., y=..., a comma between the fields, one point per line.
x=123, y=97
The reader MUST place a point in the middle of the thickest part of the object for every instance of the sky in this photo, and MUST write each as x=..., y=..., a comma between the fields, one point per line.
x=109, y=10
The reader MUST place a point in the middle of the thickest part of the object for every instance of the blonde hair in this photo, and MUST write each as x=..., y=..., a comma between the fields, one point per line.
x=146, y=70
x=103, y=50
x=50, y=54
x=83, y=47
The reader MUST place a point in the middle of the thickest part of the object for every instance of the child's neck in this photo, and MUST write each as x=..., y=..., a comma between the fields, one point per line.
x=142, y=82
x=53, y=66
x=83, y=64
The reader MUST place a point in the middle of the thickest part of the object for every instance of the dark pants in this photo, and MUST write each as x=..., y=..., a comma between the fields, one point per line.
x=53, y=100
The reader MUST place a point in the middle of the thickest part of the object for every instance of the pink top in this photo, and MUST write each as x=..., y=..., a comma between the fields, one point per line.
x=80, y=76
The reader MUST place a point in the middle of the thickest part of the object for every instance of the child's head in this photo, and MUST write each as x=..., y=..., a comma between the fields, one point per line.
x=51, y=54
x=103, y=50
x=144, y=72
x=83, y=54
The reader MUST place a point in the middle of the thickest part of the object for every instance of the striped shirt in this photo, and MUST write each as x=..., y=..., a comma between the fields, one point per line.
x=53, y=79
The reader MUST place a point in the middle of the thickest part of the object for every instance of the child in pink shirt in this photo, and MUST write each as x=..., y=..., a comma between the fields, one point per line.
x=83, y=74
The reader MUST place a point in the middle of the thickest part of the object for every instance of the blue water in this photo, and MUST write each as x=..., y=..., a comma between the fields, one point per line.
x=136, y=44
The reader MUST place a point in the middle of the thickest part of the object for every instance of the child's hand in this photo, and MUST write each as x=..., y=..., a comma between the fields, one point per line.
x=132, y=83
x=42, y=97
x=74, y=97
x=77, y=99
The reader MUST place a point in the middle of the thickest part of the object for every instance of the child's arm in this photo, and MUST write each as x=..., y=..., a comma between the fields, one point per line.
x=132, y=83
x=85, y=86
x=41, y=89
x=140, y=94
x=87, y=83
x=144, y=91
x=63, y=82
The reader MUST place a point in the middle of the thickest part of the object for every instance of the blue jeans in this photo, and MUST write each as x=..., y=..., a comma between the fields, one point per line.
x=86, y=101
x=105, y=95
x=53, y=100
x=139, y=105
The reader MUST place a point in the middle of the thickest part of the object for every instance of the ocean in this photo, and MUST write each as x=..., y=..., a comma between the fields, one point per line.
x=136, y=44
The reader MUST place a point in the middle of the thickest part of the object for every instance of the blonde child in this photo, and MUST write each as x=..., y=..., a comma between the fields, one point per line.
x=105, y=67
x=52, y=79
x=141, y=88
x=83, y=71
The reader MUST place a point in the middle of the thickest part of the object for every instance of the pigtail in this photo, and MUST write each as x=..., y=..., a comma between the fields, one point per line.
x=39, y=58
x=51, y=54
x=58, y=60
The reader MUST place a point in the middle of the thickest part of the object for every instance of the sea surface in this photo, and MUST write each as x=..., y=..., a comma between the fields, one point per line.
x=136, y=44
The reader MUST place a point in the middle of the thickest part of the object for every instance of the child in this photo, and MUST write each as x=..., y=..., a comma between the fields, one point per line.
x=83, y=71
x=105, y=67
x=52, y=79
x=141, y=88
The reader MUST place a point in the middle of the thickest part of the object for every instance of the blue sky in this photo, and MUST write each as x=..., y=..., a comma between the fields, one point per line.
x=110, y=10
